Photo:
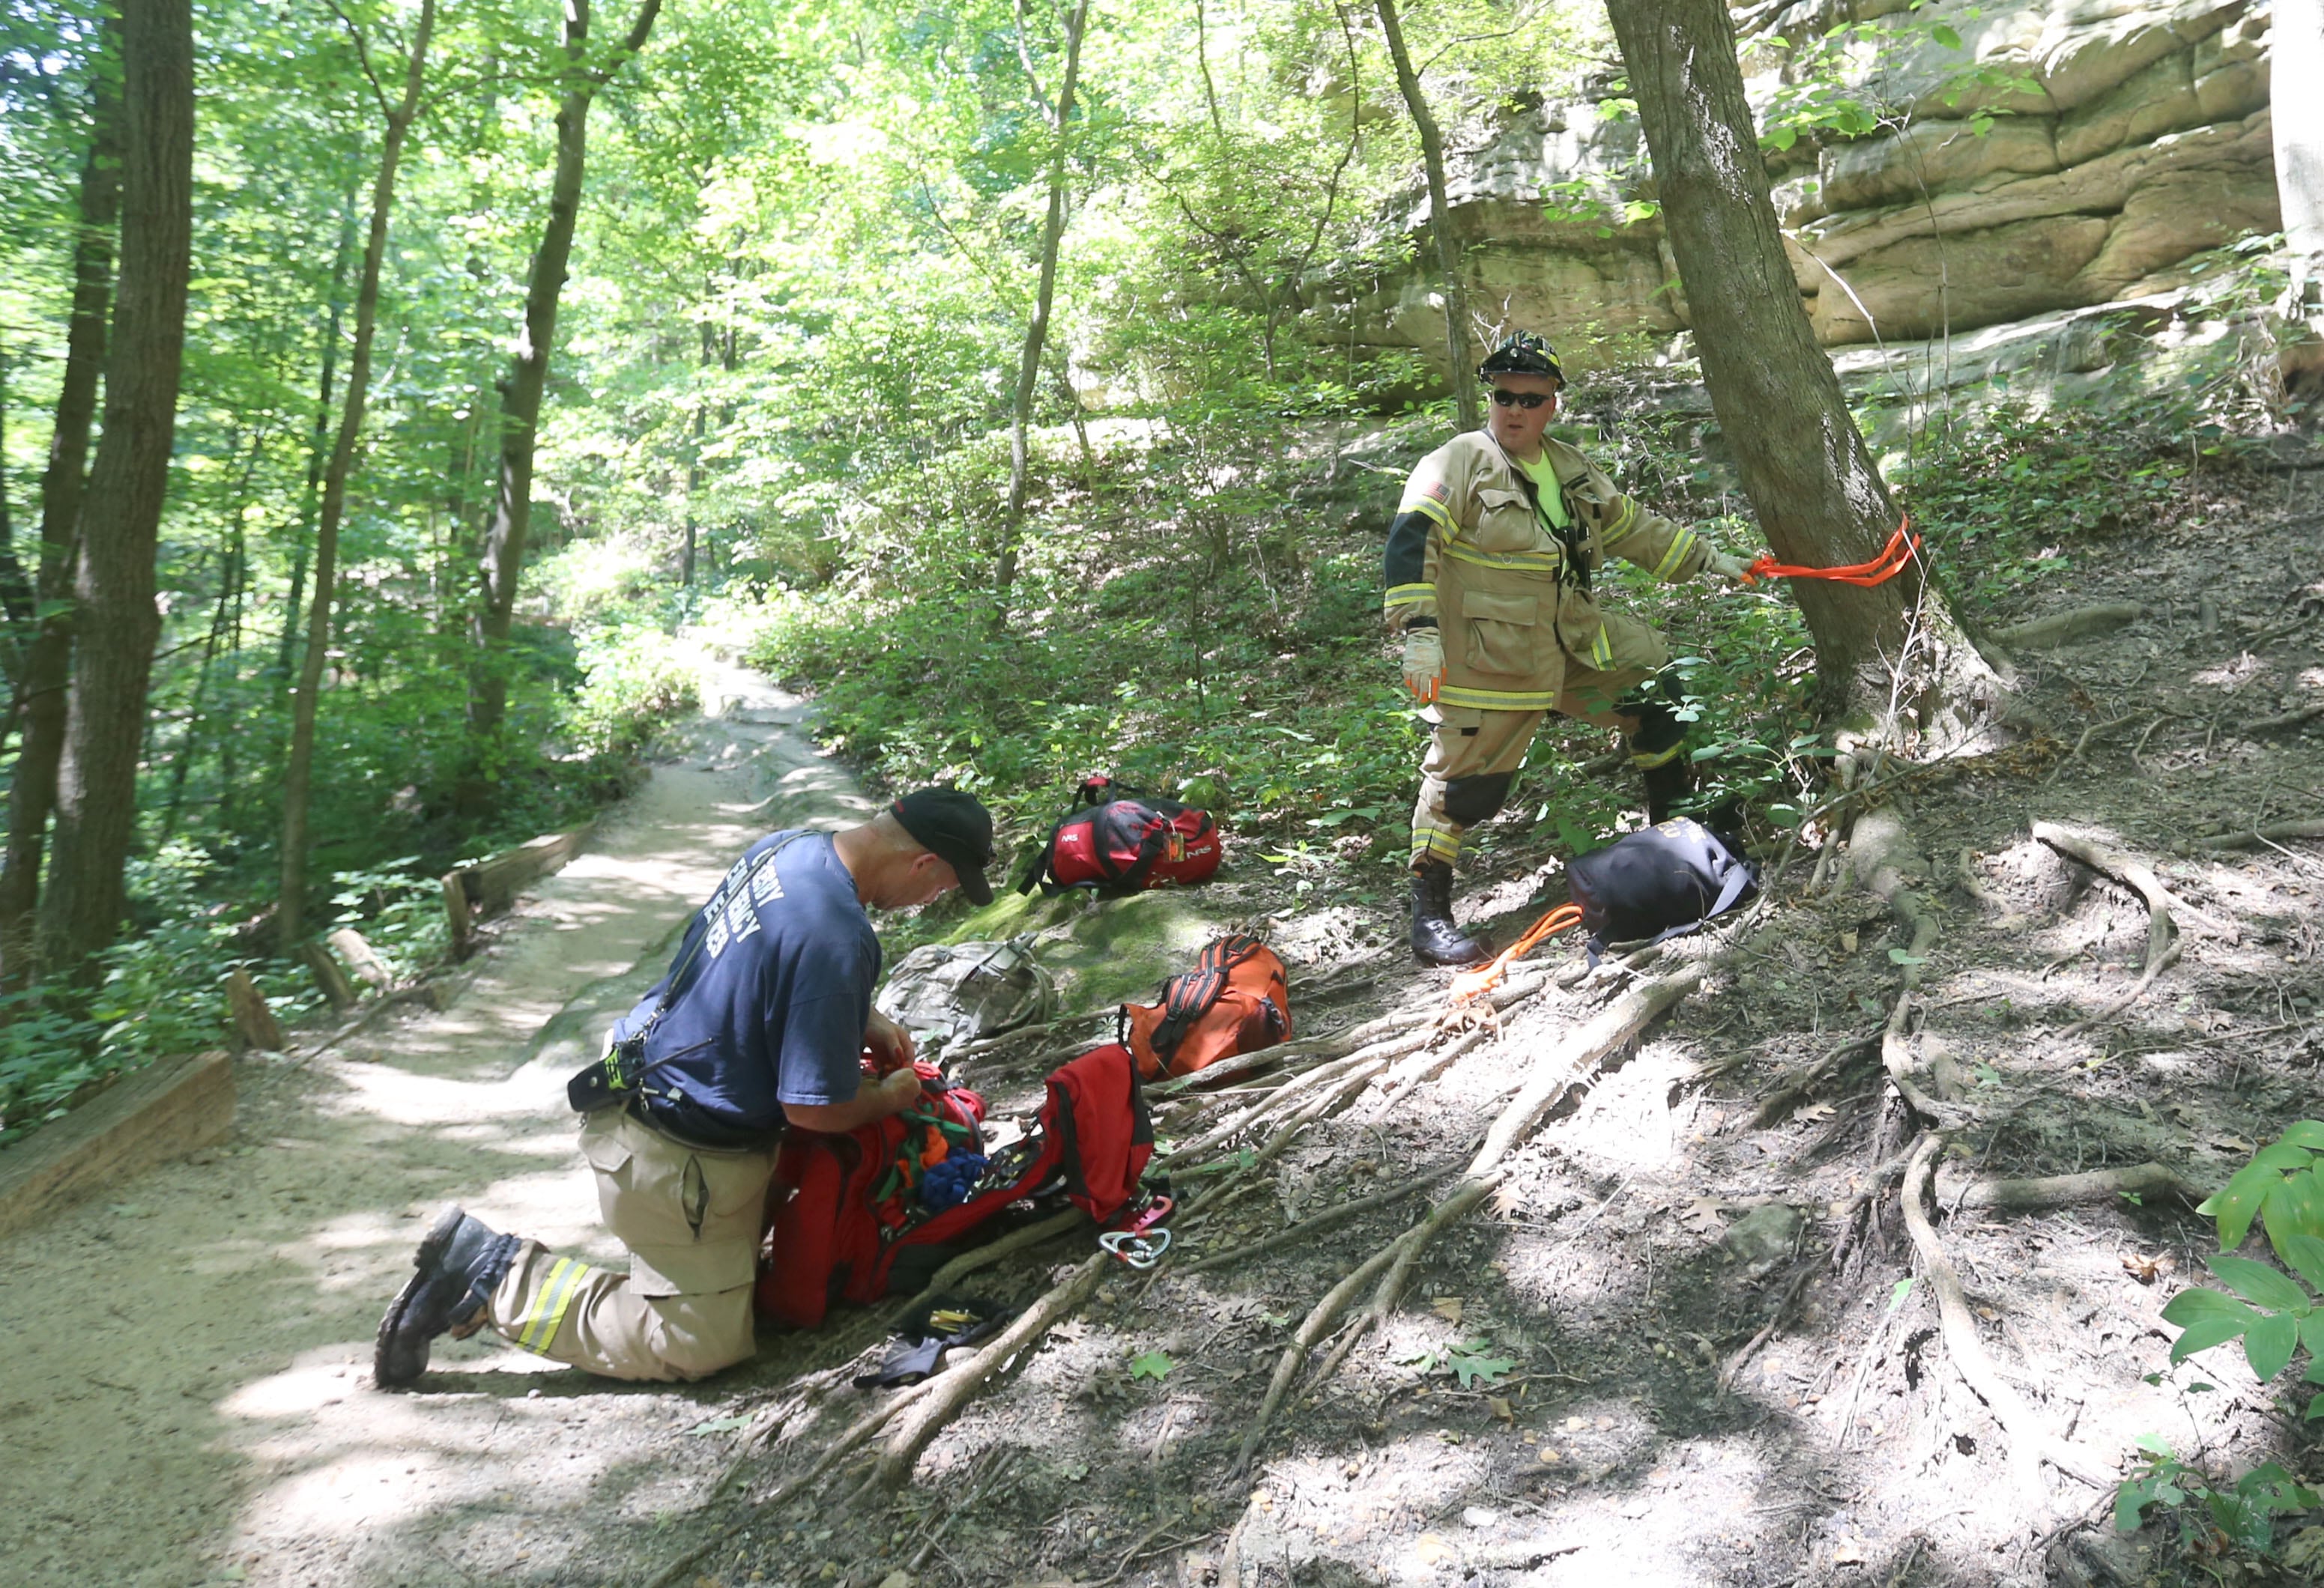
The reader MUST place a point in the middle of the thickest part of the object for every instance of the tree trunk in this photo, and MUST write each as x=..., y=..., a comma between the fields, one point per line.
x=1818, y=492
x=298, y=771
x=319, y=450
x=521, y=387
x=47, y=658
x=2296, y=42
x=1036, y=332
x=1440, y=223
x=229, y=598
x=114, y=581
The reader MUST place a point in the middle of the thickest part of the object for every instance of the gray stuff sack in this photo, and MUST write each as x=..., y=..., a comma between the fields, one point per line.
x=948, y=995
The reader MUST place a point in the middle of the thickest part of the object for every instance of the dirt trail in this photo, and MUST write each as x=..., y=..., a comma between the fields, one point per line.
x=186, y=1398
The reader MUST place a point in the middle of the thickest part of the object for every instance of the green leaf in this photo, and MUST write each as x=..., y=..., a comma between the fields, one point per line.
x=1153, y=1365
x=2259, y=1284
x=2202, y=1336
x=2268, y=1345
x=1899, y=956
x=1898, y=1291
x=2295, y=1207
x=2304, y=1253
x=1945, y=36
x=2130, y=1503
x=2305, y=1133
x=2281, y=1155
x=2238, y=1203
x=2198, y=1304
x=1470, y=1366
x=722, y=1425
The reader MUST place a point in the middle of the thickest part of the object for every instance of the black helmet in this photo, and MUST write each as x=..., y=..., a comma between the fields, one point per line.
x=1524, y=354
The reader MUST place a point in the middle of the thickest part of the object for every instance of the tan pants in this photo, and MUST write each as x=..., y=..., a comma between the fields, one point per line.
x=691, y=1220
x=1489, y=747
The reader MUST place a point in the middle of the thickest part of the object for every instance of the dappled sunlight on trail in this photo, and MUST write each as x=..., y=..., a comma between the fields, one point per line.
x=191, y=1383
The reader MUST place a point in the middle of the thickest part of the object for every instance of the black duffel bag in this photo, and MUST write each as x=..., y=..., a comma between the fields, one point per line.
x=1661, y=882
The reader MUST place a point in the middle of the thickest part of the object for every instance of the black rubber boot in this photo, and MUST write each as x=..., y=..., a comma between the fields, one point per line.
x=457, y=1268
x=1667, y=785
x=1436, y=940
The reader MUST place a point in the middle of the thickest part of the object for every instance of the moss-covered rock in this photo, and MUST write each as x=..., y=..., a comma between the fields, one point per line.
x=1102, y=951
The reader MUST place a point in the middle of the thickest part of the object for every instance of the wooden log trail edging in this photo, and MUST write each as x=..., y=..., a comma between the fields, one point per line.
x=170, y=1108
x=473, y=892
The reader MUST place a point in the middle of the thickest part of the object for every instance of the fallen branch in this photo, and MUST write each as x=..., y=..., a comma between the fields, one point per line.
x=2257, y=837
x=2162, y=946
x=2066, y=1190
x=956, y=1388
x=1292, y=1235
x=1549, y=1081
x=1965, y=1349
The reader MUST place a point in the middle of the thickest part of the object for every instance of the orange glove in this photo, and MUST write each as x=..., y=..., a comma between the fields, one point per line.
x=1424, y=664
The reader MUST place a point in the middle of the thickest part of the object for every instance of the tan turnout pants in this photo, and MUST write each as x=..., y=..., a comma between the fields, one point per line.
x=1468, y=743
x=691, y=1220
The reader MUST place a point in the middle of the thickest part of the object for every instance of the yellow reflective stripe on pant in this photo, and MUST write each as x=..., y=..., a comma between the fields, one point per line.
x=1498, y=700
x=539, y=1327
x=1432, y=844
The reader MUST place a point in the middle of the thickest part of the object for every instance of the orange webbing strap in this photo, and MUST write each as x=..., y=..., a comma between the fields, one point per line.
x=1902, y=547
x=1470, y=984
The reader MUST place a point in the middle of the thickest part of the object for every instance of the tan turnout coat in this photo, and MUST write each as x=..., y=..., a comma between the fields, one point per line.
x=1505, y=593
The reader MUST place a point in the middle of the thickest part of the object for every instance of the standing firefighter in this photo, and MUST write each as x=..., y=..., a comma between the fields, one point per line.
x=1489, y=566
x=763, y=1022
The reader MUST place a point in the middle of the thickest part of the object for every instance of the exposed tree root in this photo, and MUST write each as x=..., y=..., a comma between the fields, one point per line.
x=1796, y=1087
x=1310, y=1334
x=1549, y=1080
x=1292, y=1235
x=858, y=1434
x=2259, y=837
x=2289, y=720
x=2161, y=945
x=2083, y=743
x=1750, y=1348
x=2066, y=627
x=954, y=1388
x=1897, y=1059
x=2029, y=1441
x=2067, y=1190
x=993, y=1252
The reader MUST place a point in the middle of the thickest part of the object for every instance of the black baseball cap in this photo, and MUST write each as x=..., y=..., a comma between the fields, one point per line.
x=956, y=829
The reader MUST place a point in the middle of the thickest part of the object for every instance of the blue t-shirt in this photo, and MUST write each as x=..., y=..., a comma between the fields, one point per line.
x=775, y=979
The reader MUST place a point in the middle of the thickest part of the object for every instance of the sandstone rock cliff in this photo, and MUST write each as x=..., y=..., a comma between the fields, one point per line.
x=2067, y=153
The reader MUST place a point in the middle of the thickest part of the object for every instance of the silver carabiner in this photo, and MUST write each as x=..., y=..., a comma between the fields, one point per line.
x=1140, y=1250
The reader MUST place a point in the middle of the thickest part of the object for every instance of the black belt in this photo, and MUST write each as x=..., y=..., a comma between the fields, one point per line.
x=642, y=1111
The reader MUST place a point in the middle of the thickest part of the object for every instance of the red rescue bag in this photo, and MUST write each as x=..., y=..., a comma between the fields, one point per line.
x=845, y=1210
x=1122, y=843
x=1236, y=1000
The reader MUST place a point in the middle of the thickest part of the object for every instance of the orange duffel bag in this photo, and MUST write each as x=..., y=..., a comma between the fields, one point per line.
x=1236, y=1000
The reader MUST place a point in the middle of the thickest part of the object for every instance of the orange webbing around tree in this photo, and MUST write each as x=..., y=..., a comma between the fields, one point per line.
x=1902, y=547
x=1469, y=984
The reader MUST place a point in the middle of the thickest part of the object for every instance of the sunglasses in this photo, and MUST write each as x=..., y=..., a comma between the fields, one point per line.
x=1528, y=400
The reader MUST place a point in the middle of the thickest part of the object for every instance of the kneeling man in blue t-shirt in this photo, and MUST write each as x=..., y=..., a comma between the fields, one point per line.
x=761, y=1022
